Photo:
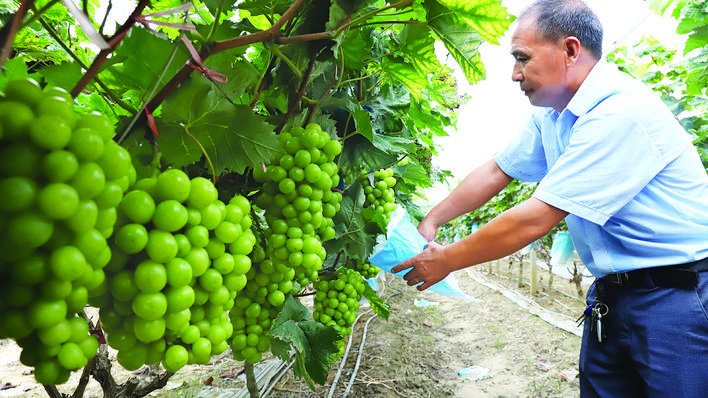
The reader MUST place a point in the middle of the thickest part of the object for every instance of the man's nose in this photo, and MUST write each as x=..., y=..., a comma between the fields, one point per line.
x=516, y=74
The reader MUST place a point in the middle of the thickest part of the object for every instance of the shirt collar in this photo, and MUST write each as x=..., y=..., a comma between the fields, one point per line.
x=588, y=95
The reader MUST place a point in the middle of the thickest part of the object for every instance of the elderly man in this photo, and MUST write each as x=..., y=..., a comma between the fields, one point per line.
x=612, y=161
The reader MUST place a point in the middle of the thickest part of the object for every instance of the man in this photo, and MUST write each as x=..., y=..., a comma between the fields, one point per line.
x=613, y=162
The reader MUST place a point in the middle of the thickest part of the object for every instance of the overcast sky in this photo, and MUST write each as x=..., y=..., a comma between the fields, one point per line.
x=497, y=108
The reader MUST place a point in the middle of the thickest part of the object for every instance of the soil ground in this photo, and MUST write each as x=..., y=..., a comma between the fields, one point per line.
x=418, y=352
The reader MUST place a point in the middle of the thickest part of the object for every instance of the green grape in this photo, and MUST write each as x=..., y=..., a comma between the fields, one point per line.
x=87, y=144
x=59, y=166
x=60, y=136
x=15, y=117
x=17, y=194
x=26, y=91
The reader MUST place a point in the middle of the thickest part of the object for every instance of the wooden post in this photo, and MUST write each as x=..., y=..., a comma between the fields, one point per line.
x=534, y=276
x=520, y=281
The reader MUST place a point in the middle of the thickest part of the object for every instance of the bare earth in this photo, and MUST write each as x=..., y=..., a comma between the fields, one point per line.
x=417, y=352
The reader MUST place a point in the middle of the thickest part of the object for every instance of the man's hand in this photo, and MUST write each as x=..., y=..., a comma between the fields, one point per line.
x=427, y=229
x=429, y=267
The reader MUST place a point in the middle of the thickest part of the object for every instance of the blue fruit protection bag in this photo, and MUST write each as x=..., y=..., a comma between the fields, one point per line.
x=404, y=241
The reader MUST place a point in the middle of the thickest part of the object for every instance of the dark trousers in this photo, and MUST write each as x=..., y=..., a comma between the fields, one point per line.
x=656, y=345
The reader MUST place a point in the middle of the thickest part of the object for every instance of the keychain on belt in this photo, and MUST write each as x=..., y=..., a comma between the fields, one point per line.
x=595, y=311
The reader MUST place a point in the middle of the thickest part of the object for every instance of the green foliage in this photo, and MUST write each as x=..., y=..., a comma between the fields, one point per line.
x=313, y=342
x=365, y=71
x=200, y=121
x=681, y=81
x=380, y=308
x=354, y=234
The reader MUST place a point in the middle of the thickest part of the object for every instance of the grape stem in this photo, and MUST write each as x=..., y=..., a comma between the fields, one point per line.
x=300, y=93
x=251, y=380
x=7, y=35
x=264, y=81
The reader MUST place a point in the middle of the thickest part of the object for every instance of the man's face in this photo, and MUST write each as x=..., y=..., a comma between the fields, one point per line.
x=539, y=67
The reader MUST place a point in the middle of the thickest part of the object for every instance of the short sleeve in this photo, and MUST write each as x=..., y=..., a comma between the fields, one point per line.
x=609, y=159
x=523, y=158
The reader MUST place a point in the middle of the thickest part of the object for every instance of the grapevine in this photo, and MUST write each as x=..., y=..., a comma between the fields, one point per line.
x=96, y=210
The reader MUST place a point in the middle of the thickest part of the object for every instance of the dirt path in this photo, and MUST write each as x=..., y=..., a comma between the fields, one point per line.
x=418, y=351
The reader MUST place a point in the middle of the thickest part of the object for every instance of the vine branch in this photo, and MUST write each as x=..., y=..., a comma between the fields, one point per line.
x=264, y=82
x=37, y=13
x=10, y=30
x=103, y=54
x=78, y=60
x=301, y=93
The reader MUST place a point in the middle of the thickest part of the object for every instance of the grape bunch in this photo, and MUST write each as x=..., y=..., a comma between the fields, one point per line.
x=337, y=300
x=379, y=193
x=298, y=205
x=366, y=269
x=257, y=305
x=299, y=202
x=180, y=258
x=61, y=179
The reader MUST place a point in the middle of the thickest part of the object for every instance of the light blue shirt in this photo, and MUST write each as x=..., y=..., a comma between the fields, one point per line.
x=617, y=160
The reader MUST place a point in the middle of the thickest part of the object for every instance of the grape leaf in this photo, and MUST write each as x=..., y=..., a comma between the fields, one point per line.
x=459, y=38
x=197, y=119
x=412, y=176
x=336, y=15
x=359, y=153
x=398, y=69
x=314, y=343
x=64, y=75
x=144, y=56
x=265, y=7
x=425, y=120
x=14, y=68
x=214, y=5
x=488, y=17
x=394, y=144
x=356, y=48
x=377, y=304
x=353, y=233
x=418, y=49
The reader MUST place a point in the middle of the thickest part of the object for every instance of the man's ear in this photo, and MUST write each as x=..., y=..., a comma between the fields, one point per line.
x=571, y=49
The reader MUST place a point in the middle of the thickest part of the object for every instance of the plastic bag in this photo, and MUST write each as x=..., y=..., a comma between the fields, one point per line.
x=404, y=241
x=562, y=251
x=527, y=249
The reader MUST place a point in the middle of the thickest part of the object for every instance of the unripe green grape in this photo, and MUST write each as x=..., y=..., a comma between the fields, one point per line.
x=17, y=194
x=50, y=132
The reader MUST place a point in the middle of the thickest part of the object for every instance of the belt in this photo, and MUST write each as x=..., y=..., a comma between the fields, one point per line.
x=681, y=276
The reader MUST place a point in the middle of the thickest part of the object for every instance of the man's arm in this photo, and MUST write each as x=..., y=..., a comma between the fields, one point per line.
x=475, y=190
x=504, y=235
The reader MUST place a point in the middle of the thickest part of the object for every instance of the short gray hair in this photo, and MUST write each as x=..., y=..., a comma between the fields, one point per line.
x=558, y=19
